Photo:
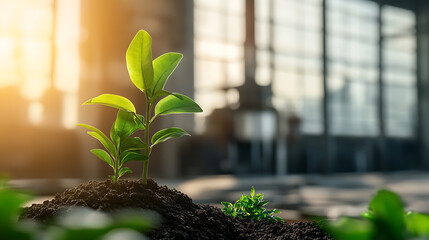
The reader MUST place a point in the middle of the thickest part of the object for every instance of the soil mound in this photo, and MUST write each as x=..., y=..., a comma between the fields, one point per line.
x=181, y=218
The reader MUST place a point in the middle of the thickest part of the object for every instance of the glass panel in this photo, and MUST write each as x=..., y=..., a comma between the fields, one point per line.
x=262, y=36
x=235, y=73
x=210, y=100
x=399, y=53
x=261, y=11
x=208, y=24
x=287, y=12
x=219, y=53
x=297, y=82
x=263, y=76
x=352, y=76
x=311, y=43
x=397, y=20
x=402, y=59
x=235, y=7
x=209, y=74
x=218, y=50
x=311, y=16
x=234, y=28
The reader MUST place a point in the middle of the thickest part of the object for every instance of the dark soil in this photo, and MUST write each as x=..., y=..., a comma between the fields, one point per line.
x=181, y=218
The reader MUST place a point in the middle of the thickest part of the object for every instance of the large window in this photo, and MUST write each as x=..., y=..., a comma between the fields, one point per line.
x=39, y=51
x=399, y=71
x=352, y=60
x=288, y=41
x=219, y=54
x=289, y=56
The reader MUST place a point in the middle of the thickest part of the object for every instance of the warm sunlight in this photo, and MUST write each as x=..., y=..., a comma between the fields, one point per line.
x=39, y=51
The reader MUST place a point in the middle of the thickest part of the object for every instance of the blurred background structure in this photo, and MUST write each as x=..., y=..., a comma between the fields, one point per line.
x=287, y=86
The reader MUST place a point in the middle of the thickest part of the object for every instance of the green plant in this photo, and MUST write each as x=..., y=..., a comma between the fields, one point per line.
x=150, y=77
x=385, y=219
x=251, y=207
x=11, y=202
x=76, y=223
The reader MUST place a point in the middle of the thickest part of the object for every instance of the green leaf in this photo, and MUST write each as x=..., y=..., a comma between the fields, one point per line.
x=134, y=143
x=227, y=204
x=176, y=103
x=114, y=136
x=368, y=215
x=159, y=94
x=125, y=124
x=103, y=155
x=101, y=137
x=11, y=203
x=139, y=62
x=113, y=177
x=264, y=203
x=252, y=191
x=112, y=100
x=388, y=213
x=418, y=224
x=163, y=66
x=140, y=122
x=168, y=133
x=350, y=229
x=123, y=171
x=132, y=156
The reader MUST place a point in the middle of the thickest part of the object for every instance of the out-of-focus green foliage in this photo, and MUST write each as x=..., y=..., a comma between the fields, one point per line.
x=75, y=223
x=251, y=207
x=385, y=220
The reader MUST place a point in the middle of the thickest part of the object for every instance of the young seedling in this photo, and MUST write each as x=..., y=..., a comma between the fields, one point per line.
x=121, y=148
x=150, y=77
x=251, y=207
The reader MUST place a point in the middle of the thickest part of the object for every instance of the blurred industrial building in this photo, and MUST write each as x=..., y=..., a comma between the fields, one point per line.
x=287, y=86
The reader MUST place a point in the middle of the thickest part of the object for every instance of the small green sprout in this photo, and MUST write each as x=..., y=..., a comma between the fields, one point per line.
x=251, y=207
x=150, y=77
x=121, y=148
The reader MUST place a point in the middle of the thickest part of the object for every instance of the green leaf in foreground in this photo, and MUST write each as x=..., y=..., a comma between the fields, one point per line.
x=385, y=220
x=350, y=229
x=163, y=66
x=11, y=202
x=368, y=215
x=103, y=155
x=417, y=224
x=123, y=171
x=131, y=155
x=168, y=133
x=133, y=143
x=159, y=94
x=99, y=135
x=139, y=61
x=112, y=100
x=125, y=124
x=388, y=213
x=176, y=103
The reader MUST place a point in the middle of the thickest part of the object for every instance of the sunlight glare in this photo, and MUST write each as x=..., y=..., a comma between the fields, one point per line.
x=35, y=113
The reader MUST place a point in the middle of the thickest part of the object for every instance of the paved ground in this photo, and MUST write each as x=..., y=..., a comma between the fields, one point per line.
x=327, y=195
x=296, y=195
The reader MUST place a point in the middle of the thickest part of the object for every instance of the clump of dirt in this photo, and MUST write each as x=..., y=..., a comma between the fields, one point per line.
x=181, y=218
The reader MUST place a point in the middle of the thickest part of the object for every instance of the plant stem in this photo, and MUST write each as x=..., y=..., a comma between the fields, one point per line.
x=115, y=165
x=148, y=150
